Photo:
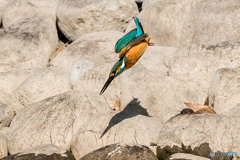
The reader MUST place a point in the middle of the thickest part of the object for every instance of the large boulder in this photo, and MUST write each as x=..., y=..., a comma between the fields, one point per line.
x=121, y=151
x=5, y=131
x=3, y=3
x=184, y=156
x=90, y=59
x=162, y=96
x=197, y=63
x=42, y=152
x=9, y=82
x=145, y=3
x=42, y=84
x=224, y=91
x=54, y=120
x=200, y=134
x=212, y=21
x=159, y=56
x=3, y=146
x=28, y=43
x=76, y=18
x=115, y=127
x=16, y=10
x=235, y=111
x=163, y=20
x=6, y=115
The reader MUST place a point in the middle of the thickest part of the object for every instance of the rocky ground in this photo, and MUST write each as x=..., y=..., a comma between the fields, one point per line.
x=56, y=56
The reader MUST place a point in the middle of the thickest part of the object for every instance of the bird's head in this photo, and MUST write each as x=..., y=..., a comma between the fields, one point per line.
x=116, y=70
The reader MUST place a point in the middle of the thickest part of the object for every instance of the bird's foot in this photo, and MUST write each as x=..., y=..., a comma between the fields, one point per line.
x=150, y=43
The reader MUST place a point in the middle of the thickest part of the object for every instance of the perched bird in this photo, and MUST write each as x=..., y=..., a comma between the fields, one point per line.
x=130, y=48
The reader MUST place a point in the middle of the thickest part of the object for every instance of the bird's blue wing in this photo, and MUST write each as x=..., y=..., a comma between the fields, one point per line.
x=123, y=42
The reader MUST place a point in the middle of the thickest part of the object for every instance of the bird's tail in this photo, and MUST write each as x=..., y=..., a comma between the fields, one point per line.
x=139, y=27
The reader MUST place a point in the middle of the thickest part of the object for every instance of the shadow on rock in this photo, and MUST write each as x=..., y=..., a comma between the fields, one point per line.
x=131, y=110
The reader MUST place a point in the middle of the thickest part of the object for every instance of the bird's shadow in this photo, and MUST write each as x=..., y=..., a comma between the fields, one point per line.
x=131, y=110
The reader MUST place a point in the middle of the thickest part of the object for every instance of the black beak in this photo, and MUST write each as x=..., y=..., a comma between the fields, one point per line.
x=106, y=84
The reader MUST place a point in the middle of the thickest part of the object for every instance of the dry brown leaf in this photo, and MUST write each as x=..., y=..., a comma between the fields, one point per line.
x=206, y=110
x=115, y=105
x=61, y=48
x=200, y=108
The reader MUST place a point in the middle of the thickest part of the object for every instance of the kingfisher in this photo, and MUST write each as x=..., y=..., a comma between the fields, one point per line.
x=130, y=48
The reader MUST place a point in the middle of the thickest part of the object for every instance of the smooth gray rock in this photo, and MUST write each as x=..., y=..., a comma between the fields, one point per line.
x=90, y=59
x=42, y=152
x=201, y=133
x=54, y=120
x=162, y=96
x=17, y=10
x=115, y=127
x=235, y=111
x=28, y=43
x=6, y=115
x=9, y=82
x=4, y=131
x=76, y=18
x=184, y=156
x=212, y=21
x=224, y=91
x=3, y=146
x=163, y=20
x=197, y=63
x=3, y=3
x=121, y=151
x=42, y=84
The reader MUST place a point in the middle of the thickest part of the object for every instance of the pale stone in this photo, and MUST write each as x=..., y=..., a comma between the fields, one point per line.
x=16, y=10
x=46, y=149
x=185, y=156
x=43, y=83
x=197, y=63
x=76, y=18
x=145, y=3
x=3, y=146
x=42, y=152
x=9, y=81
x=192, y=130
x=163, y=20
x=212, y=21
x=90, y=60
x=162, y=96
x=54, y=120
x=122, y=151
x=157, y=58
x=115, y=127
x=28, y=43
x=5, y=131
x=235, y=111
x=6, y=115
x=3, y=3
x=224, y=91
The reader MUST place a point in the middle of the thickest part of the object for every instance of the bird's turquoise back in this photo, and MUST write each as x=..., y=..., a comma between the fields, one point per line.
x=125, y=40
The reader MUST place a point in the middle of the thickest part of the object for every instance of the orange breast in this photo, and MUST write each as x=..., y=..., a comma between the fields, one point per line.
x=135, y=53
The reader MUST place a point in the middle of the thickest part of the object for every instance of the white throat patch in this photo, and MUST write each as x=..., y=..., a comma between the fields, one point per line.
x=123, y=64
